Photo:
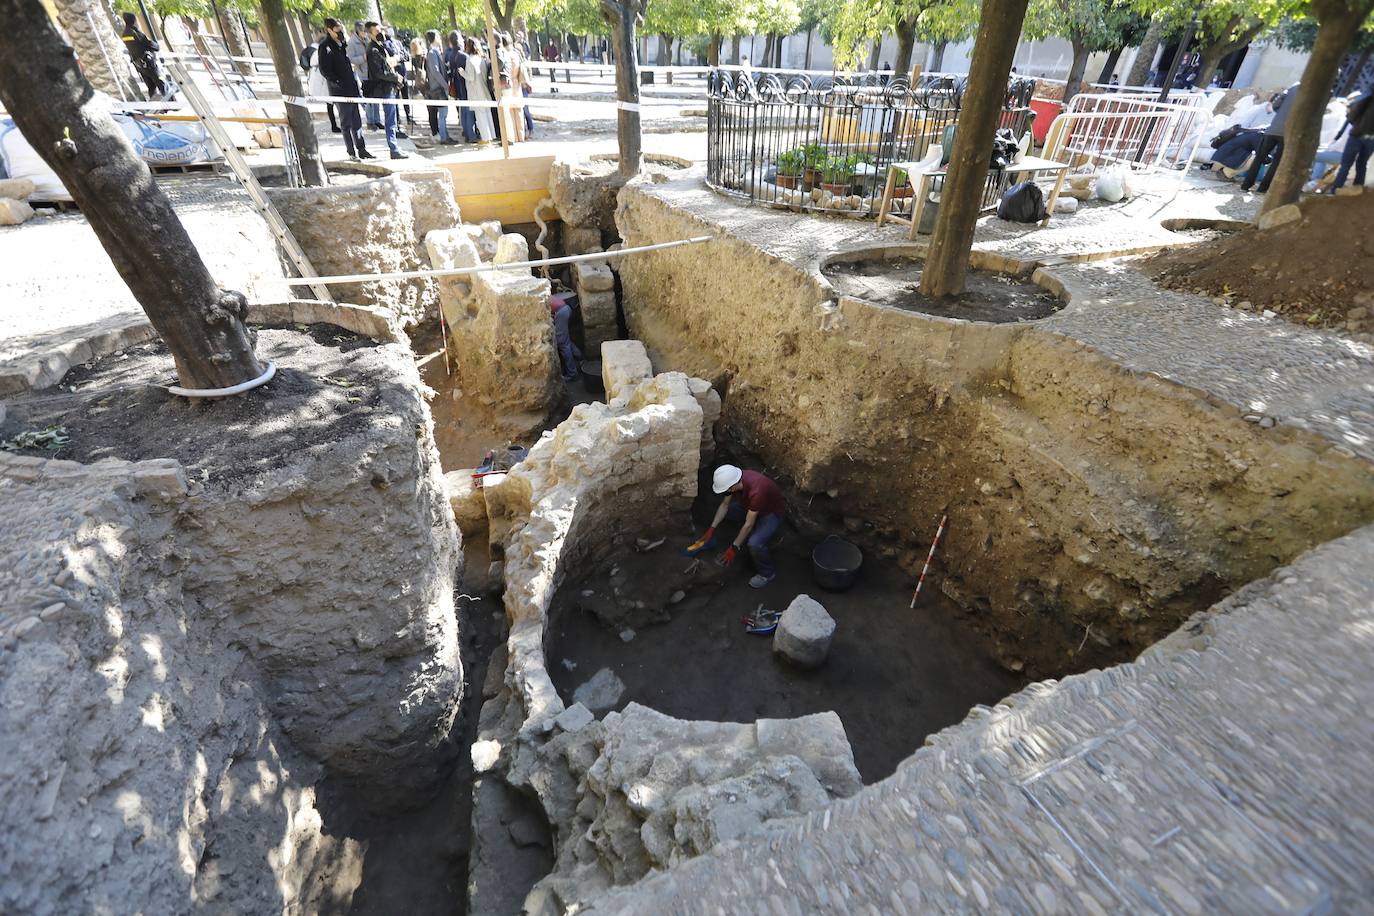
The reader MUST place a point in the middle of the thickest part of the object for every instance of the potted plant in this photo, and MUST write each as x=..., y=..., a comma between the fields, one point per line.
x=790, y=165
x=814, y=156
x=901, y=186
x=837, y=175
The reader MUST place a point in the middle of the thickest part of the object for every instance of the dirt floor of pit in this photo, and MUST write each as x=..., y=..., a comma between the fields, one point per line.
x=987, y=296
x=118, y=406
x=894, y=675
x=1315, y=271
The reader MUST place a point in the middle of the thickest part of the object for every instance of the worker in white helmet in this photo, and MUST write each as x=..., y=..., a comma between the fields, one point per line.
x=754, y=500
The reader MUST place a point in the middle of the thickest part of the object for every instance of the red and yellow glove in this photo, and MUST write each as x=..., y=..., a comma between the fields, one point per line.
x=701, y=544
x=728, y=556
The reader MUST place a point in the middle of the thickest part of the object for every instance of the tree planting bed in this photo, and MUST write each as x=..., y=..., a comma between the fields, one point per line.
x=987, y=296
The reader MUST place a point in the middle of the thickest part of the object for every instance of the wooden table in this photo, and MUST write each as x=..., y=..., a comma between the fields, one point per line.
x=921, y=181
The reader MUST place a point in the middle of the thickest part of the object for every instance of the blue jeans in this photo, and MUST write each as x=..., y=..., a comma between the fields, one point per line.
x=469, y=122
x=567, y=353
x=1323, y=159
x=765, y=529
x=443, y=123
x=374, y=117
x=1357, y=152
x=384, y=91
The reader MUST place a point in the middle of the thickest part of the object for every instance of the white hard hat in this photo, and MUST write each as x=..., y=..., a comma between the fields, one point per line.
x=726, y=476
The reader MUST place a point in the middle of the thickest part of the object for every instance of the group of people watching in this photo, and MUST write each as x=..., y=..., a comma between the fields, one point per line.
x=370, y=64
x=1251, y=148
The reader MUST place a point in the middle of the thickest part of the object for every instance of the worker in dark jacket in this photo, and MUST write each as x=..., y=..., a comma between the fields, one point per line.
x=1272, y=142
x=1360, y=146
x=143, y=54
x=333, y=64
x=456, y=63
x=382, y=83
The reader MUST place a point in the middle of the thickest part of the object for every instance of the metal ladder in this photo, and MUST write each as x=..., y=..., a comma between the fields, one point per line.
x=244, y=175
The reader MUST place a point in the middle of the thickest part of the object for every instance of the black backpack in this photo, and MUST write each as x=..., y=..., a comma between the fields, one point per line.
x=1022, y=203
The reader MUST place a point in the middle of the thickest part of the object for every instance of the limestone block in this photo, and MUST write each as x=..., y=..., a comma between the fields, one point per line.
x=601, y=691
x=804, y=633
x=15, y=188
x=577, y=240
x=624, y=364
x=431, y=201
x=511, y=248
x=598, y=318
x=13, y=212
x=709, y=401
x=593, y=277
x=1288, y=213
x=468, y=502
x=585, y=192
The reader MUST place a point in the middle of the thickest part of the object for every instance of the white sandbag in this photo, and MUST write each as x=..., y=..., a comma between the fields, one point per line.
x=20, y=160
x=160, y=142
x=1066, y=205
x=1109, y=187
x=15, y=188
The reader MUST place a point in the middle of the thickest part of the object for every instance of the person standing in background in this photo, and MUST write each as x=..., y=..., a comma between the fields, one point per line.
x=436, y=88
x=382, y=81
x=478, y=74
x=357, y=56
x=142, y=52
x=315, y=83
x=551, y=56
x=1272, y=143
x=1360, y=146
x=396, y=55
x=332, y=63
x=455, y=66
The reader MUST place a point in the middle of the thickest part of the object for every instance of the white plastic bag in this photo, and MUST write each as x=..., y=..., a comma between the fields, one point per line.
x=1109, y=186
x=20, y=160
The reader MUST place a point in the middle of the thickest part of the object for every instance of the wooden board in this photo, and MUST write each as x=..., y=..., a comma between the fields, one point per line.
x=504, y=189
x=509, y=207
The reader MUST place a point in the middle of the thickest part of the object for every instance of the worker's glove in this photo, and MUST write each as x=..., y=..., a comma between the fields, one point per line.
x=728, y=556
x=705, y=541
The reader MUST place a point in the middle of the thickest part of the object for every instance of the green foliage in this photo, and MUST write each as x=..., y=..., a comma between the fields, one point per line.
x=1094, y=25
x=791, y=162
x=815, y=155
x=856, y=22
x=1299, y=33
x=838, y=169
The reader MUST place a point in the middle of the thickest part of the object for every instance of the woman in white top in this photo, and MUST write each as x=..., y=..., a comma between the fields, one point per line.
x=475, y=73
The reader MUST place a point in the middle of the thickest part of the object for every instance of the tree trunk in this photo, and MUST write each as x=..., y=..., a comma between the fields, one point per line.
x=102, y=54
x=937, y=56
x=1074, y=83
x=999, y=29
x=1109, y=68
x=767, y=59
x=1302, y=135
x=906, y=42
x=806, y=62
x=622, y=16
x=1145, y=56
x=452, y=17
x=237, y=40
x=1207, y=65
x=875, y=52
x=56, y=110
x=713, y=51
x=301, y=123
x=734, y=49
x=504, y=13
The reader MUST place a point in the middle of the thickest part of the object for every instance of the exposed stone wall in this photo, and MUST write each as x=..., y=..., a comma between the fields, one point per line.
x=500, y=329
x=1080, y=494
x=373, y=226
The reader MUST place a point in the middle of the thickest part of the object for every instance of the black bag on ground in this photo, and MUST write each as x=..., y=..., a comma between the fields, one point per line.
x=1022, y=203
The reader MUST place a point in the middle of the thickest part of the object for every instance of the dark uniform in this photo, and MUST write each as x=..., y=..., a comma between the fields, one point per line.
x=143, y=53
x=332, y=59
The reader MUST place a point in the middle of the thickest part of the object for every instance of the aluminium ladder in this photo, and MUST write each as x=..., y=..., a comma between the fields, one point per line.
x=243, y=173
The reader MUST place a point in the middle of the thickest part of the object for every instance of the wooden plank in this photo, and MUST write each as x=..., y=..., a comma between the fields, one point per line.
x=492, y=176
x=508, y=206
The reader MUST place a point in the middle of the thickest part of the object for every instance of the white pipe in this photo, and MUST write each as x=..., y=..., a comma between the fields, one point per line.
x=483, y=268
x=240, y=388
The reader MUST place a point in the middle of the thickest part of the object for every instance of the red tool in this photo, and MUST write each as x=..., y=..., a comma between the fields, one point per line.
x=925, y=569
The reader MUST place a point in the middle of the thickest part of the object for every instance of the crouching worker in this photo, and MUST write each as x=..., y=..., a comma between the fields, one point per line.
x=561, y=309
x=754, y=500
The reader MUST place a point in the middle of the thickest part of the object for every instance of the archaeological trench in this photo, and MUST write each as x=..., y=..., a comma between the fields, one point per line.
x=289, y=656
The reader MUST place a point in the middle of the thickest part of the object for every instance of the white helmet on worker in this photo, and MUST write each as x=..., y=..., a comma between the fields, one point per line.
x=726, y=476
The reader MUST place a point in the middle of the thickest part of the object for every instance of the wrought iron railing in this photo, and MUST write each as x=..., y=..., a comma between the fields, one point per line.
x=826, y=143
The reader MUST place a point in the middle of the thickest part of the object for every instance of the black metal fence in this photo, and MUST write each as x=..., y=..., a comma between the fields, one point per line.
x=827, y=143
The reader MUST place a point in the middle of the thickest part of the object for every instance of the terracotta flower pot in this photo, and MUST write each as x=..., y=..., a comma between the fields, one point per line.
x=839, y=189
x=788, y=181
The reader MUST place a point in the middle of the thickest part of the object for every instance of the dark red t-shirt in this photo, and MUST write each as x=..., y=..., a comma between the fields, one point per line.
x=759, y=494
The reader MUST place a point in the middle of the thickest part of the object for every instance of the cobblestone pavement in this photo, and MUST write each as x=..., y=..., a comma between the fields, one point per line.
x=1220, y=772
x=58, y=282
x=1268, y=368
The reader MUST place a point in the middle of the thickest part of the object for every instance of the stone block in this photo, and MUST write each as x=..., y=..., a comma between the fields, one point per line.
x=13, y=212
x=624, y=364
x=574, y=718
x=598, y=318
x=593, y=277
x=511, y=249
x=804, y=633
x=1280, y=216
x=601, y=691
x=577, y=240
x=467, y=500
x=15, y=188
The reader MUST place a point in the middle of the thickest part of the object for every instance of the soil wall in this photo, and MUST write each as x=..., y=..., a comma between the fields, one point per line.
x=1092, y=509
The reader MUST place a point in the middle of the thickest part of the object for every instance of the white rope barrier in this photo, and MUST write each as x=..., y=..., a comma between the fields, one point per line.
x=507, y=101
x=483, y=268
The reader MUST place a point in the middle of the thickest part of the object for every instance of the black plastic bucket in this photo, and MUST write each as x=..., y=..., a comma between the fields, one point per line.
x=835, y=564
x=591, y=376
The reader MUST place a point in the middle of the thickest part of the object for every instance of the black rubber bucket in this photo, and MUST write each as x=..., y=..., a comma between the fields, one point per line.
x=835, y=564
x=591, y=376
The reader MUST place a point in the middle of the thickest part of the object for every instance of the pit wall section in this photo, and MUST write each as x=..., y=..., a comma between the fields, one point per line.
x=622, y=795
x=1092, y=509
x=162, y=637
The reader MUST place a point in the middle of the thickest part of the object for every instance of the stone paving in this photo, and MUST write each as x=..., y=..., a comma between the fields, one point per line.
x=59, y=284
x=1220, y=772
x=1266, y=368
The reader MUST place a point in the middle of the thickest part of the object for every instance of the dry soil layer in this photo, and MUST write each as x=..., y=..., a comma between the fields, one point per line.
x=1100, y=478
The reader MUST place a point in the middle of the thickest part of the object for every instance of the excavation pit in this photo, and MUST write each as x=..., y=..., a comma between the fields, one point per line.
x=894, y=674
x=997, y=298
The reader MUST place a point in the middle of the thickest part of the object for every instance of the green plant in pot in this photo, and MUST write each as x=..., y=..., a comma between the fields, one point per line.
x=814, y=157
x=837, y=175
x=789, y=168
